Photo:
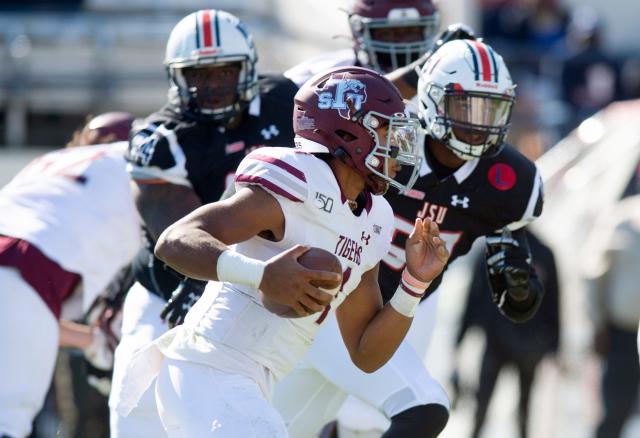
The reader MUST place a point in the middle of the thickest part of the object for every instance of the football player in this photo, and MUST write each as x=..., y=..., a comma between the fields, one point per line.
x=68, y=225
x=471, y=184
x=389, y=36
x=351, y=136
x=182, y=157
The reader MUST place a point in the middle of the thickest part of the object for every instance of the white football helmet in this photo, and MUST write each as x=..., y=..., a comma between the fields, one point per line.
x=465, y=95
x=206, y=38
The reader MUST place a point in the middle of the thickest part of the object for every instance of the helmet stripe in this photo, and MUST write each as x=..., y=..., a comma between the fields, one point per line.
x=484, y=59
x=495, y=64
x=476, y=70
x=217, y=27
x=197, y=32
x=206, y=28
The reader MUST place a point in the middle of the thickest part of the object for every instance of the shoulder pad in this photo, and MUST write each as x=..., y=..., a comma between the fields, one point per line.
x=281, y=171
x=518, y=186
x=154, y=153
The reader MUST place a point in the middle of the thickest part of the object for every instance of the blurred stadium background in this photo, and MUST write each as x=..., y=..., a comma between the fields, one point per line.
x=61, y=60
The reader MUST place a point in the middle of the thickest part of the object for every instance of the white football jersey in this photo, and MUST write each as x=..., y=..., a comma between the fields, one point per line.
x=231, y=317
x=75, y=205
x=302, y=72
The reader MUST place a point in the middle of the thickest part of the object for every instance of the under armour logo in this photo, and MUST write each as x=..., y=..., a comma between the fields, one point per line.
x=268, y=133
x=464, y=202
x=377, y=229
x=190, y=301
x=365, y=239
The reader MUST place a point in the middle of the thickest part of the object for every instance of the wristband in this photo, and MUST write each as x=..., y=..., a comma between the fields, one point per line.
x=407, y=296
x=236, y=268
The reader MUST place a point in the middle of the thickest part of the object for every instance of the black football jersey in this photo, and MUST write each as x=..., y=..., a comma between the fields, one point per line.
x=482, y=196
x=204, y=155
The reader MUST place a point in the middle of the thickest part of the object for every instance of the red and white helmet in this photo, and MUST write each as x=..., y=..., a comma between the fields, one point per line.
x=465, y=95
x=340, y=112
x=370, y=17
x=204, y=38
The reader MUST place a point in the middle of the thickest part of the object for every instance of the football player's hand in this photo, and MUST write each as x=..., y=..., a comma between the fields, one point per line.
x=287, y=282
x=181, y=301
x=509, y=263
x=426, y=253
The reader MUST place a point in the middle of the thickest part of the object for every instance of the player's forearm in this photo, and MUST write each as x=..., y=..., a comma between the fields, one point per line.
x=74, y=335
x=406, y=79
x=160, y=205
x=381, y=339
x=190, y=251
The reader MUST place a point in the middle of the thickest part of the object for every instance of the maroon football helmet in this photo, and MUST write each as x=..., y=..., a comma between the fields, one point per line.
x=104, y=128
x=388, y=34
x=342, y=111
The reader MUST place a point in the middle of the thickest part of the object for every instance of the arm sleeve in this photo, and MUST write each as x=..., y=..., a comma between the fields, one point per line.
x=534, y=205
x=155, y=155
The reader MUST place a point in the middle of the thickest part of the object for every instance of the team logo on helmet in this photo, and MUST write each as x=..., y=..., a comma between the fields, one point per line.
x=342, y=94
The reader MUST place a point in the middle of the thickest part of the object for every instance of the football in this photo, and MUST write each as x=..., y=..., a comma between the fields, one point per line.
x=315, y=258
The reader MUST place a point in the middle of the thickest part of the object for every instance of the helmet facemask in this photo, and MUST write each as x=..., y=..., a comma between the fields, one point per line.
x=397, y=147
x=472, y=124
x=386, y=44
x=204, y=99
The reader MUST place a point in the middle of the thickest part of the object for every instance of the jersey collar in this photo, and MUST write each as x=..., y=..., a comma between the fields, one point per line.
x=460, y=175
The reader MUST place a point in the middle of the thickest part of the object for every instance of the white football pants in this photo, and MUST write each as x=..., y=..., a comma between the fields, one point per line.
x=29, y=344
x=197, y=401
x=311, y=395
x=141, y=324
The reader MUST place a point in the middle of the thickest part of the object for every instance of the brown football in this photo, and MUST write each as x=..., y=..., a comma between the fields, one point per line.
x=322, y=260
x=318, y=259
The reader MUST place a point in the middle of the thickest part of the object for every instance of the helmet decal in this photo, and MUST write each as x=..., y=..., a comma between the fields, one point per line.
x=342, y=94
x=206, y=29
x=484, y=61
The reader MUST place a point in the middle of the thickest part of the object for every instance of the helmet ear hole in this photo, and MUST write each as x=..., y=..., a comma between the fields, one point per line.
x=346, y=136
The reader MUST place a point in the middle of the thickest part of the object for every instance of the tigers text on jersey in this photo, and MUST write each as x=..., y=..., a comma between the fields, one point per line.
x=231, y=317
x=75, y=205
x=482, y=196
x=204, y=155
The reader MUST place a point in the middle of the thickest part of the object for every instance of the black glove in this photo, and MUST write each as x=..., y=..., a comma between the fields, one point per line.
x=515, y=287
x=182, y=299
x=508, y=263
